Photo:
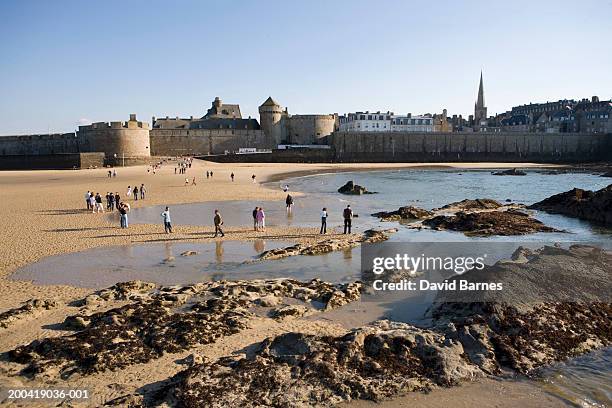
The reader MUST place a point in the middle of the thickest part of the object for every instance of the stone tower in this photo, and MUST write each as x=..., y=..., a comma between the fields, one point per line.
x=271, y=121
x=480, y=110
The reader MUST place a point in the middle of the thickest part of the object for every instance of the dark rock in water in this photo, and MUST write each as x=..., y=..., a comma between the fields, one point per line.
x=403, y=213
x=510, y=172
x=486, y=223
x=352, y=188
x=606, y=174
x=477, y=204
x=594, y=206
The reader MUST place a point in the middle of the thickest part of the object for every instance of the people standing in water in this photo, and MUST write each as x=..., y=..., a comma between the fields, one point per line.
x=289, y=203
x=218, y=223
x=347, y=214
x=323, y=221
x=167, y=221
x=255, y=218
x=261, y=219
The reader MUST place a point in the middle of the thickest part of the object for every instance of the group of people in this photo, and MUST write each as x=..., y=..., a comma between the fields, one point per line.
x=136, y=192
x=93, y=201
x=183, y=165
x=112, y=173
x=259, y=219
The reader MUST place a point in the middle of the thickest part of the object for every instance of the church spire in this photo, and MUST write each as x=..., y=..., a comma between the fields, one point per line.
x=480, y=102
x=480, y=110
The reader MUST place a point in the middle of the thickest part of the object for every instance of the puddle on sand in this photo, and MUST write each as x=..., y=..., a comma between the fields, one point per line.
x=103, y=267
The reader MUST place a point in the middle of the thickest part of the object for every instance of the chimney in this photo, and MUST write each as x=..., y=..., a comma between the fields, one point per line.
x=132, y=117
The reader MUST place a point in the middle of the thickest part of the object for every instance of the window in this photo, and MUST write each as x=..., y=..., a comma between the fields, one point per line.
x=369, y=117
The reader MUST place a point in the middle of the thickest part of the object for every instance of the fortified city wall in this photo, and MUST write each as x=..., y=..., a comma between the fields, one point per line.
x=177, y=142
x=309, y=129
x=470, y=147
x=38, y=144
x=117, y=140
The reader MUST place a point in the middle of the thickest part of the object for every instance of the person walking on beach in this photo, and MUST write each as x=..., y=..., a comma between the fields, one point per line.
x=211, y=174
x=218, y=223
x=110, y=174
x=255, y=211
x=98, y=201
x=114, y=173
x=323, y=221
x=186, y=181
x=348, y=218
x=87, y=202
x=232, y=176
x=289, y=203
x=261, y=219
x=128, y=193
x=123, y=210
x=167, y=222
x=193, y=182
x=117, y=200
x=253, y=177
x=136, y=193
x=142, y=192
x=111, y=201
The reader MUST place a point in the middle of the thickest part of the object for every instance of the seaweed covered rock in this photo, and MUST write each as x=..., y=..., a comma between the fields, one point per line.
x=403, y=213
x=476, y=204
x=30, y=308
x=594, y=206
x=509, y=222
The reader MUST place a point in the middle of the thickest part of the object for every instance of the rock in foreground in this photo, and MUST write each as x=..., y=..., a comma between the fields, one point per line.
x=509, y=222
x=353, y=189
x=594, y=206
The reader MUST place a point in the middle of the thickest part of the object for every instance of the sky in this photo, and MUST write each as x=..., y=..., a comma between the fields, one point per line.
x=65, y=63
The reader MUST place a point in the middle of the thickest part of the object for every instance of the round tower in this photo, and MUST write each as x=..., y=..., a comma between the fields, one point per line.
x=270, y=118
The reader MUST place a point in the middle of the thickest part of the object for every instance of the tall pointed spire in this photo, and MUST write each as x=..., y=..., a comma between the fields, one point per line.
x=480, y=102
x=480, y=110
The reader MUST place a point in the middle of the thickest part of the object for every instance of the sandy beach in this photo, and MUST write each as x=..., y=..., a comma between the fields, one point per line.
x=44, y=215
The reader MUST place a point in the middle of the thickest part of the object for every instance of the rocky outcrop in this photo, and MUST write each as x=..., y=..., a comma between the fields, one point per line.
x=403, y=213
x=477, y=204
x=353, y=189
x=327, y=245
x=594, y=206
x=466, y=340
x=297, y=370
x=159, y=321
x=487, y=223
x=509, y=172
x=29, y=309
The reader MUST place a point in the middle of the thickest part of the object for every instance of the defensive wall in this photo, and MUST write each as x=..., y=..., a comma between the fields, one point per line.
x=38, y=144
x=294, y=155
x=117, y=140
x=308, y=129
x=470, y=147
x=52, y=161
x=196, y=142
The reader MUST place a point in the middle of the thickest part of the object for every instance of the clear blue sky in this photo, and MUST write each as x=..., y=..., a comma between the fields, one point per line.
x=68, y=61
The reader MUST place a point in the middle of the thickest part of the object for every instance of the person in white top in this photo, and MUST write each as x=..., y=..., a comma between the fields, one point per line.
x=323, y=221
x=92, y=203
x=129, y=191
x=87, y=201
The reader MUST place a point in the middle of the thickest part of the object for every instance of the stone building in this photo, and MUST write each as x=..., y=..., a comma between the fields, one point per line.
x=222, y=129
x=409, y=123
x=281, y=127
x=119, y=141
